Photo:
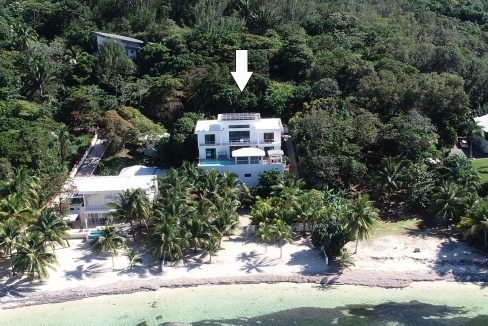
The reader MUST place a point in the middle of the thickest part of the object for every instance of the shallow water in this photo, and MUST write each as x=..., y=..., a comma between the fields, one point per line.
x=435, y=303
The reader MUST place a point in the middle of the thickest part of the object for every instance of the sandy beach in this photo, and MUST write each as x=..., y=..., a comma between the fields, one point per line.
x=386, y=260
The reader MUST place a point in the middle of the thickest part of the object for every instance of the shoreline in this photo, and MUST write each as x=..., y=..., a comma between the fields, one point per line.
x=366, y=278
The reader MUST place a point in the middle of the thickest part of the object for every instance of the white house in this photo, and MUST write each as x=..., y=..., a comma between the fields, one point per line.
x=130, y=44
x=89, y=196
x=242, y=143
x=479, y=140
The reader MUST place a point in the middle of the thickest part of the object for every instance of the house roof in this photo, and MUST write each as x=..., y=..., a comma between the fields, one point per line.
x=248, y=151
x=482, y=122
x=137, y=170
x=89, y=185
x=119, y=37
x=216, y=125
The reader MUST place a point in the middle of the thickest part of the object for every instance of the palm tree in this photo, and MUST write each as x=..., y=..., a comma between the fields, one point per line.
x=51, y=227
x=133, y=205
x=226, y=218
x=16, y=207
x=32, y=258
x=282, y=233
x=307, y=208
x=264, y=234
x=473, y=128
x=447, y=200
x=211, y=245
x=10, y=235
x=198, y=223
x=168, y=241
x=361, y=218
x=389, y=178
x=134, y=258
x=476, y=221
x=109, y=242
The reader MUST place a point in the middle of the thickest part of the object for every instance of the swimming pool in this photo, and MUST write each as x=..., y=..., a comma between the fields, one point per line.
x=216, y=162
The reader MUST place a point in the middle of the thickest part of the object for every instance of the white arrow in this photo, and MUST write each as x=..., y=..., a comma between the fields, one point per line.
x=241, y=75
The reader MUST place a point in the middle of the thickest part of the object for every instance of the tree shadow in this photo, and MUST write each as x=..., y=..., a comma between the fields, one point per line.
x=462, y=262
x=257, y=264
x=310, y=262
x=409, y=313
x=17, y=287
x=81, y=272
x=244, y=256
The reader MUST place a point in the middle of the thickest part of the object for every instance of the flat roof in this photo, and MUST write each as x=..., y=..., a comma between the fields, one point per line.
x=218, y=125
x=137, y=170
x=249, y=151
x=482, y=122
x=89, y=185
x=119, y=37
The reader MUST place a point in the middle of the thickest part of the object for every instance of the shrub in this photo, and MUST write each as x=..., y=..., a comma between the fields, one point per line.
x=330, y=234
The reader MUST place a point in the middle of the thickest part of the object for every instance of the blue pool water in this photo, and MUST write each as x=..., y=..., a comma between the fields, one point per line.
x=216, y=162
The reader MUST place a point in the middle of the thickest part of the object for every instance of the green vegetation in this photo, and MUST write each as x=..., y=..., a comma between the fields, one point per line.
x=481, y=166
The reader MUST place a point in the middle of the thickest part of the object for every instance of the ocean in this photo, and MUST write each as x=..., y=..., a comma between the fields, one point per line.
x=423, y=303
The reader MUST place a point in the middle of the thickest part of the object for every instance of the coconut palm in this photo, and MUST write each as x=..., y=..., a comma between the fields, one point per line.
x=282, y=233
x=10, y=235
x=109, y=242
x=447, y=201
x=211, y=245
x=226, y=218
x=361, y=218
x=168, y=242
x=472, y=129
x=51, y=227
x=475, y=222
x=389, y=178
x=198, y=223
x=133, y=205
x=307, y=208
x=32, y=258
x=16, y=207
x=264, y=234
x=134, y=258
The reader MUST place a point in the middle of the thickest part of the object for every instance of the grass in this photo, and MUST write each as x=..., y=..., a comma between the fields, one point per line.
x=481, y=166
x=395, y=228
x=111, y=165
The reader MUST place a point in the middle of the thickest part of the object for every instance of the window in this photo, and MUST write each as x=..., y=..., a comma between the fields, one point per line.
x=247, y=175
x=254, y=160
x=210, y=139
x=239, y=136
x=210, y=154
x=266, y=149
x=268, y=137
x=242, y=160
x=238, y=126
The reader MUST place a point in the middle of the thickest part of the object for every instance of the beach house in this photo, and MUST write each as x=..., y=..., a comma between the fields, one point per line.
x=130, y=44
x=89, y=197
x=242, y=143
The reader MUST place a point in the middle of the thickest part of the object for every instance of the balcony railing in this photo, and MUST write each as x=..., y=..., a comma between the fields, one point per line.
x=269, y=141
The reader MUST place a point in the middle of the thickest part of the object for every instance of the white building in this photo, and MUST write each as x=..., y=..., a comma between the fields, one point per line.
x=89, y=196
x=241, y=143
x=479, y=140
x=130, y=44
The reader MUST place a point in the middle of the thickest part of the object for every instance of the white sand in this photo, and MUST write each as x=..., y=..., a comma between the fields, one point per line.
x=241, y=257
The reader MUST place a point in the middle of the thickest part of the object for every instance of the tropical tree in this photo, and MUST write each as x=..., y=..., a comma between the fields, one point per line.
x=16, y=207
x=264, y=234
x=361, y=218
x=133, y=205
x=307, y=208
x=168, y=241
x=198, y=224
x=51, y=227
x=282, y=233
x=32, y=258
x=211, y=245
x=109, y=242
x=134, y=258
x=475, y=223
x=226, y=218
x=447, y=201
x=10, y=235
x=389, y=178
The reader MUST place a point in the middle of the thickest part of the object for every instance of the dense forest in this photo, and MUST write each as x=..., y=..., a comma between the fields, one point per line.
x=370, y=89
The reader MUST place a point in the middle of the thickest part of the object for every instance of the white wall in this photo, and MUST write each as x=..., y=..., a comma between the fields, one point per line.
x=242, y=170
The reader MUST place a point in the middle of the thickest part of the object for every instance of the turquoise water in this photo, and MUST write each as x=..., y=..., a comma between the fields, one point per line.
x=436, y=303
x=216, y=162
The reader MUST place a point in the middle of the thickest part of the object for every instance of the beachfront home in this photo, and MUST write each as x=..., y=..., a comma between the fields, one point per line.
x=130, y=44
x=89, y=197
x=242, y=143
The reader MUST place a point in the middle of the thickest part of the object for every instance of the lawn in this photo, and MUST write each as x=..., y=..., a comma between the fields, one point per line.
x=481, y=166
x=112, y=164
x=395, y=228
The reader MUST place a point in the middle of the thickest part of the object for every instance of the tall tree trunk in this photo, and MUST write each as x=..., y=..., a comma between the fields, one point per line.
x=132, y=230
x=356, y=250
x=281, y=249
x=485, y=232
x=113, y=263
x=140, y=226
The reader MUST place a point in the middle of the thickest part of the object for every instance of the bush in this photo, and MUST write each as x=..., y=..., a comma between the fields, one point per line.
x=330, y=234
